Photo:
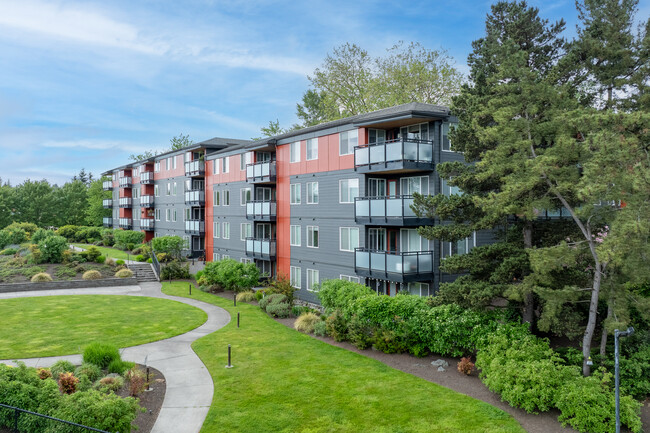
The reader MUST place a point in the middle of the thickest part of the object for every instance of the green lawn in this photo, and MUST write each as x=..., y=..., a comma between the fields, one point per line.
x=62, y=325
x=285, y=381
x=109, y=252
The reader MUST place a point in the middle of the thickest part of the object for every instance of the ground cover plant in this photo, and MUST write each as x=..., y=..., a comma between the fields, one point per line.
x=60, y=325
x=270, y=388
x=113, y=253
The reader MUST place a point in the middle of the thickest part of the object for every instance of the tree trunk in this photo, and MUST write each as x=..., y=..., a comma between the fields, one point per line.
x=528, y=315
x=591, y=323
x=603, y=338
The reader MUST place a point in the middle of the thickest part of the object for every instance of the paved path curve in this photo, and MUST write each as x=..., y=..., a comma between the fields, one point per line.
x=189, y=384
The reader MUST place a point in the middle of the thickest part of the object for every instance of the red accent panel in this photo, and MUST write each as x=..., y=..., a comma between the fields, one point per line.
x=126, y=212
x=147, y=236
x=126, y=192
x=328, y=156
x=166, y=174
x=234, y=173
x=283, y=220
x=209, y=210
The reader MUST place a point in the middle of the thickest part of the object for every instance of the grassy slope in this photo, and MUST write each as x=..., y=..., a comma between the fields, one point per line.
x=61, y=325
x=286, y=381
x=109, y=252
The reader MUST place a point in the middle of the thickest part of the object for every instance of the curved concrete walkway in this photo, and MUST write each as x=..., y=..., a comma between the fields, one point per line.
x=189, y=385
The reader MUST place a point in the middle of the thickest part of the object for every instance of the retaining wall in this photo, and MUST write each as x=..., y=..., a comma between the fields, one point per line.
x=72, y=284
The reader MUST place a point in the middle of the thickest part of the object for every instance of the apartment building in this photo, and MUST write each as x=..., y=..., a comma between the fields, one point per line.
x=329, y=201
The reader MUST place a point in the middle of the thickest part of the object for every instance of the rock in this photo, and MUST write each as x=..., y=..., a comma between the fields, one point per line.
x=440, y=363
x=441, y=369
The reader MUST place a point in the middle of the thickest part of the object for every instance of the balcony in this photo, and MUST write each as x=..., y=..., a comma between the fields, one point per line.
x=147, y=224
x=195, y=197
x=107, y=204
x=146, y=178
x=126, y=182
x=388, y=211
x=393, y=266
x=146, y=200
x=195, y=168
x=107, y=185
x=195, y=227
x=261, y=172
x=394, y=155
x=126, y=202
x=261, y=210
x=126, y=223
x=108, y=222
x=264, y=249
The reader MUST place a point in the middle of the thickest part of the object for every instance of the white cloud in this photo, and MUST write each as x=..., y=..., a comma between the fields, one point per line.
x=95, y=145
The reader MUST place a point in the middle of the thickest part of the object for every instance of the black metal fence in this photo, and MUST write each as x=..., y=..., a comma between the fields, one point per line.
x=156, y=264
x=23, y=421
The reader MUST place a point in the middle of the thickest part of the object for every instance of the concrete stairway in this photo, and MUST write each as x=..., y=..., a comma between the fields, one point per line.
x=143, y=272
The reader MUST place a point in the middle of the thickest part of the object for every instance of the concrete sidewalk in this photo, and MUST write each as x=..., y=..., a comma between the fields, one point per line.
x=189, y=385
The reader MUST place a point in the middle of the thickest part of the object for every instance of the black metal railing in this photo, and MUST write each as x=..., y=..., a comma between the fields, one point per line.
x=107, y=185
x=261, y=248
x=107, y=203
x=195, y=168
x=196, y=227
x=126, y=182
x=18, y=412
x=400, y=150
x=385, y=264
x=195, y=197
x=147, y=200
x=261, y=210
x=126, y=223
x=147, y=224
x=156, y=264
x=146, y=177
x=394, y=209
x=125, y=202
x=261, y=172
x=108, y=222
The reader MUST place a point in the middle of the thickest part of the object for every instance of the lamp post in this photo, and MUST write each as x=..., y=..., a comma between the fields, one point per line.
x=618, y=334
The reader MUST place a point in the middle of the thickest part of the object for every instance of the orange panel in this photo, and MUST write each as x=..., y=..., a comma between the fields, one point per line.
x=283, y=220
x=209, y=211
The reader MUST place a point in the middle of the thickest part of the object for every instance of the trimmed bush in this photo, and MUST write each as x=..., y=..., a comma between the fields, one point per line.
x=92, y=275
x=119, y=262
x=92, y=253
x=248, y=296
x=139, y=258
x=110, y=384
x=100, y=354
x=360, y=333
x=339, y=294
x=175, y=270
x=127, y=238
x=320, y=329
x=69, y=232
x=68, y=383
x=44, y=373
x=230, y=274
x=336, y=326
x=169, y=245
x=8, y=252
x=278, y=310
x=61, y=366
x=92, y=371
x=52, y=249
x=465, y=366
x=305, y=322
x=124, y=273
x=120, y=367
x=41, y=234
x=41, y=277
x=281, y=284
x=275, y=298
x=101, y=259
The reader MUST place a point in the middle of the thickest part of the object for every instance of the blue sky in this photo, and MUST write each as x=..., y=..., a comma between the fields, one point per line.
x=85, y=84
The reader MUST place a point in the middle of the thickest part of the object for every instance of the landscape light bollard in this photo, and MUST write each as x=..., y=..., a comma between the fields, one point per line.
x=234, y=299
x=147, y=378
x=618, y=334
x=190, y=289
x=238, y=319
x=229, y=364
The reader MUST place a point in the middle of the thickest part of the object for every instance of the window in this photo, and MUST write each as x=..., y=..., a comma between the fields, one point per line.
x=167, y=164
x=216, y=198
x=136, y=193
x=175, y=189
x=174, y=216
x=295, y=193
x=243, y=260
x=376, y=187
x=415, y=132
x=312, y=149
x=156, y=167
x=347, y=141
x=168, y=213
x=462, y=246
x=419, y=184
x=226, y=198
x=217, y=229
x=446, y=142
x=349, y=278
x=348, y=190
x=186, y=242
x=418, y=289
x=188, y=214
x=226, y=230
x=449, y=189
x=215, y=166
x=225, y=164
x=349, y=238
x=156, y=192
x=312, y=279
x=294, y=238
x=411, y=241
x=215, y=257
x=294, y=152
x=294, y=276
x=169, y=188
x=246, y=231
x=376, y=136
x=312, y=192
x=245, y=159
x=312, y=236
x=157, y=214
x=174, y=158
x=244, y=196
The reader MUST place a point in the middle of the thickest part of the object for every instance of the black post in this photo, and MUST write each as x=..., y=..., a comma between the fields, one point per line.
x=147, y=378
x=234, y=299
x=229, y=363
x=190, y=289
x=238, y=319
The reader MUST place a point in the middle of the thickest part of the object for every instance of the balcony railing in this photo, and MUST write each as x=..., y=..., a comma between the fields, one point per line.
x=261, y=248
x=108, y=222
x=261, y=172
x=146, y=200
x=107, y=203
x=393, y=266
x=126, y=223
x=195, y=197
x=401, y=154
x=261, y=210
x=195, y=168
x=126, y=202
x=126, y=182
x=107, y=185
x=195, y=227
x=146, y=178
x=147, y=224
x=389, y=210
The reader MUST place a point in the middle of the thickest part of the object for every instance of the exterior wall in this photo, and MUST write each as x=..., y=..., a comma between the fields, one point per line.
x=235, y=215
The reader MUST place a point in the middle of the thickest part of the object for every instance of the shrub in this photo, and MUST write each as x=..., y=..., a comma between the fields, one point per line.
x=127, y=238
x=28, y=228
x=275, y=298
x=465, y=365
x=15, y=235
x=282, y=285
x=68, y=383
x=137, y=381
x=109, y=262
x=339, y=294
x=169, y=245
x=149, y=260
x=35, y=254
x=44, y=373
x=124, y=273
x=247, y=296
x=360, y=333
x=100, y=354
x=119, y=262
x=336, y=326
x=107, y=237
x=118, y=366
x=92, y=275
x=110, y=384
x=139, y=258
x=61, y=366
x=175, y=270
x=41, y=234
x=101, y=259
x=320, y=329
x=8, y=252
x=5, y=238
x=278, y=310
x=52, y=249
x=305, y=322
x=41, y=277
x=91, y=371
x=92, y=253
x=230, y=274
x=259, y=294
x=635, y=372
x=388, y=341
x=84, y=383
x=88, y=234
x=69, y=232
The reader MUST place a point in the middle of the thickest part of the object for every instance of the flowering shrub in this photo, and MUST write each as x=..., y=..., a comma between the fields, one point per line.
x=465, y=365
x=68, y=383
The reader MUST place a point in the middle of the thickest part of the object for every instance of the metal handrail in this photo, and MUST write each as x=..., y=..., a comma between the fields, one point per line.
x=156, y=264
x=402, y=154
x=402, y=255
x=385, y=199
x=18, y=411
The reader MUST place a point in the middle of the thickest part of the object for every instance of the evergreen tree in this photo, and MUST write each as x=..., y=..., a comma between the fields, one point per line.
x=94, y=209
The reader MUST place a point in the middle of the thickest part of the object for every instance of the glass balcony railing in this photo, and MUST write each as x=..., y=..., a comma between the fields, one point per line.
x=394, y=154
x=261, y=210
x=126, y=182
x=261, y=248
x=125, y=202
x=388, y=210
x=195, y=227
x=394, y=266
x=126, y=223
x=107, y=204
x=108, y=222
x=195, y=197
x=146, y=177
x=107, y=185
x=147, y=200
x=195, y=168
x=261, y=172
x=147, y=224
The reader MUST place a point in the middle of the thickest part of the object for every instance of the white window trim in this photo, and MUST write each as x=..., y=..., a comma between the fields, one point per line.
x=225, y=200
x=348, y=132
x=310, y=239
x=310, y=283
x=217, y=230
x=291, y=228
x=226, y=233
x=341, y=190
x=292, y=271
x=311, y=140
x=350, y=278
x=242, y=195
x=243, y=228
x=293, y=154
x=349, y=229
x=312, y=190
x=298, y=196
